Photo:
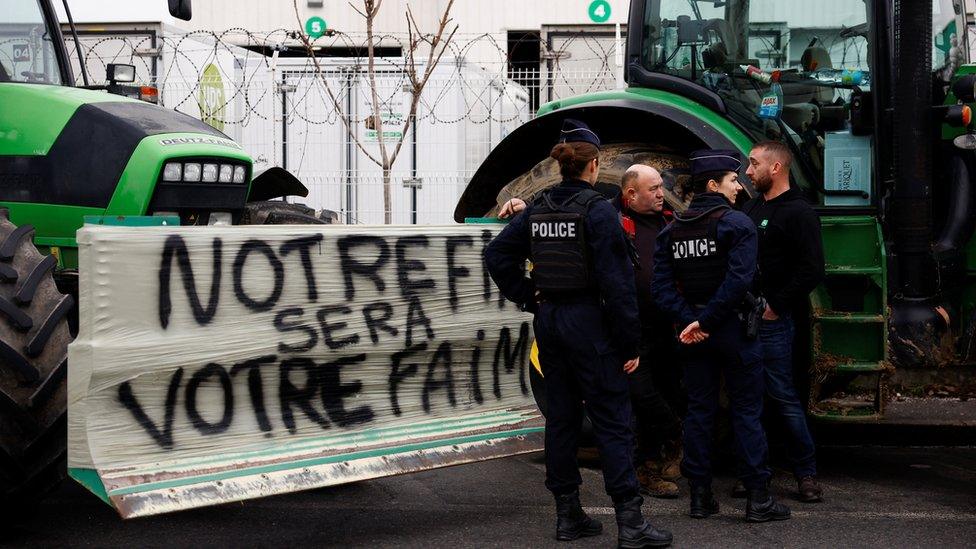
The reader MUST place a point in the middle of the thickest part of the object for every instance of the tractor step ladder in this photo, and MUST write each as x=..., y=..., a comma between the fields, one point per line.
x=849, y=333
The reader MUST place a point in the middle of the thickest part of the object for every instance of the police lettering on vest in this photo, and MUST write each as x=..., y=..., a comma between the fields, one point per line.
x=700, y=262
x=554, y=229
x=697, y=247
x=559, y=254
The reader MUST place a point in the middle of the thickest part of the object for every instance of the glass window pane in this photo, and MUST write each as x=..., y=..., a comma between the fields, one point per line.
x=26, y=45
x=785, y=69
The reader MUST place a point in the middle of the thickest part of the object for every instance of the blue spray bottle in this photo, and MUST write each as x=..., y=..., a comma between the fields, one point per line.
x=771, y=106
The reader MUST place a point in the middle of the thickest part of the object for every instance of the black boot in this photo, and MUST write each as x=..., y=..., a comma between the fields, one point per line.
x=634, y=531
x=739, y=490
x=703, y=504
x=761, y=507
x=571, y=521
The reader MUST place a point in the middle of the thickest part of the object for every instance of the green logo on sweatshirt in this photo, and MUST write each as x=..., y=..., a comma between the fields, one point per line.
x=764, y=223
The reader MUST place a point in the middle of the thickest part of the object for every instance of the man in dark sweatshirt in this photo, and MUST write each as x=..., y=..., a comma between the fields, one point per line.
x=791, y=265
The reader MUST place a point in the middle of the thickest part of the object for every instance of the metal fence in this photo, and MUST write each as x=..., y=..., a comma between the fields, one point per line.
x=263, y=91
x=281, y=110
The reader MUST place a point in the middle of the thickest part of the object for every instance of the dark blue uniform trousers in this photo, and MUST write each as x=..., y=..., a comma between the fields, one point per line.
x=725, y=353
x=582, y=370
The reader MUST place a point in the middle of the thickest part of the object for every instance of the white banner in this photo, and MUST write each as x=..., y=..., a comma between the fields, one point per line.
x=219, y=364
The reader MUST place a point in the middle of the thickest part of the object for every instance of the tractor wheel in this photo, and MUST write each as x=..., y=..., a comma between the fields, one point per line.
x=277, y=212
x=614, y=161
x=34, y=339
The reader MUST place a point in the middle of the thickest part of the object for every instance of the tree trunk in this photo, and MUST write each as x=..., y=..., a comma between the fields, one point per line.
x=387, y=198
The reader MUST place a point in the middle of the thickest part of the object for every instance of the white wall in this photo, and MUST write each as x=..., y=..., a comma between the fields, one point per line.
x=101, y=11
x=472, y=16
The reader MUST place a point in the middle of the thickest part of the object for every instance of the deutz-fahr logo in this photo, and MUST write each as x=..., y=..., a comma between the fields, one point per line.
x=199, y=141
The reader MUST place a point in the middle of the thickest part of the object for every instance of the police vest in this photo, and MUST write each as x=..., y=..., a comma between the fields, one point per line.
x=558, y=249
x=700, y=260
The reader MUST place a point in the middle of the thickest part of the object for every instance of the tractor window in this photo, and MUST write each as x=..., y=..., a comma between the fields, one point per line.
x=26, y=48
x=948, y=52
x=786, y=70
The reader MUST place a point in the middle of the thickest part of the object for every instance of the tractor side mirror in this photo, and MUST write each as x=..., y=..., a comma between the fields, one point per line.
x=180, y=9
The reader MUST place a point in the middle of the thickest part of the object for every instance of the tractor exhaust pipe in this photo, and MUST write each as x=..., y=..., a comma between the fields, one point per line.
x=916, y=326
x=911, y=200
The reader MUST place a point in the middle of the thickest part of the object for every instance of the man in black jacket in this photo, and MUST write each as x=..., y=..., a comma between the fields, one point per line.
x=655, y=389
x=791, y=265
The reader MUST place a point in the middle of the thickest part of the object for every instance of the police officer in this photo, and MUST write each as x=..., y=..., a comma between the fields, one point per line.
x=654, y=389
x=582, y=293
x=704, y=266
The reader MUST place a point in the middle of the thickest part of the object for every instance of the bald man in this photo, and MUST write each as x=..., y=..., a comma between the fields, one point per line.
x=655, y=389
x=655, y=392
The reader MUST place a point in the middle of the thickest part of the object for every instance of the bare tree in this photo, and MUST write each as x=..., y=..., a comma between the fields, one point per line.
x=437, y=43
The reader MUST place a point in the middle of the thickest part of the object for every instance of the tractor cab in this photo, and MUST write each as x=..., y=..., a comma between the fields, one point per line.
x=797, y=71
x=33, y=51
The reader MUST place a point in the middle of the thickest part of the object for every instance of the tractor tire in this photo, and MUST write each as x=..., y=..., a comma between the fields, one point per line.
x=34, y=339
x=614, y=161
x=277, y=212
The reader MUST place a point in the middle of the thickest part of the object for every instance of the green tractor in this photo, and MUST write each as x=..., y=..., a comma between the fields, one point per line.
x=873, y=97
x=70, y=152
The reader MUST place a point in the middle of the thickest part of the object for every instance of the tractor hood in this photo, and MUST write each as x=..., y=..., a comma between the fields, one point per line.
x=61, y=145
x=47, y=107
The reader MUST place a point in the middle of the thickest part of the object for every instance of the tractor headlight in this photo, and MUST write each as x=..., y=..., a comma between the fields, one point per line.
x=220, y=218
x=209, y=173
x=205, y=170
x=191, y=172
x=226, y=173
x=172, y=171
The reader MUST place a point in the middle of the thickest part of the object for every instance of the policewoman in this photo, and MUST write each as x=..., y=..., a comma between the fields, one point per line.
x=704, y=267
x=582, y=292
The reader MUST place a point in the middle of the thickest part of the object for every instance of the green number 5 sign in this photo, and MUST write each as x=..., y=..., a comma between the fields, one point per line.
x=599, y=11
x=315, y=27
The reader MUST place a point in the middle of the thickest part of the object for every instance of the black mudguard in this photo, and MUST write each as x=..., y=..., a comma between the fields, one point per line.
x=275, y=182
x=615, y=121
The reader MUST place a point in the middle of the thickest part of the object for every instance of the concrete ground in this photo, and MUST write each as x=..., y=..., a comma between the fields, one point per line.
x=874, y=497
